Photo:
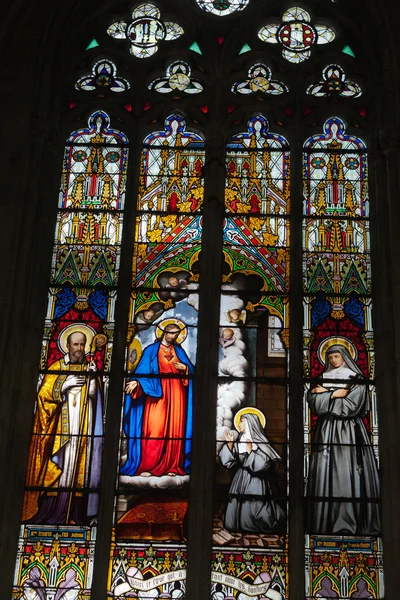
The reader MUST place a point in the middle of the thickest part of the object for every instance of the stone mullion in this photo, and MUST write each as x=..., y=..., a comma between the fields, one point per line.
x=296, y=441
x=117, y=377
x=28, y=296
x=206, y=379
x=384, y=194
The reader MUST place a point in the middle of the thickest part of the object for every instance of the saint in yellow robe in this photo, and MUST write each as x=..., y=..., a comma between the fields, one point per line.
x=58, y=457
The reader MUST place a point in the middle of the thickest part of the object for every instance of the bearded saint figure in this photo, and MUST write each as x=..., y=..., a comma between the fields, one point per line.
x=252, y=505
x=65, y=451
x=343, y=482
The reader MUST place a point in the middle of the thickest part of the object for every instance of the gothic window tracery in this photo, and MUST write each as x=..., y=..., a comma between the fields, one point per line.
x=178, y=76
x=145, y=31
x=223, y=118
x=259, y=80
x=334, y=82
x=296, y=34
x=222, y=8
x=103, y=77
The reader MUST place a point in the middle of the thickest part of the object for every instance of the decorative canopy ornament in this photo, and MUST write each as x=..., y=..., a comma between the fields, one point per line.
x=296, y=34
x=260, y=80
x=334, y=83
x=145, y=31
x=177, y=78
x=222, y=7
x=103, y=77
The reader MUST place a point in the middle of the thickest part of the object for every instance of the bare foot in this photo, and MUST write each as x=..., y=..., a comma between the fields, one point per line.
x=145, y=474
x=171, y=474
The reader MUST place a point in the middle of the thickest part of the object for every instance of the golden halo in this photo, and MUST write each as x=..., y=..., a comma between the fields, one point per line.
x=331, y=341
x=181, y=326
x=246, y=411
x=76, y=327
x=134, y=354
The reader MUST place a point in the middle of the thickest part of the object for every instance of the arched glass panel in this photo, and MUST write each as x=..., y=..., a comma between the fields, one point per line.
x=344, y=553
x=156, y=434
x=249, y=525
x=63, y=480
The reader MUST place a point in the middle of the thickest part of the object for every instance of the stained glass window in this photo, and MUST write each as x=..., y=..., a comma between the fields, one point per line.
x=333, y=83
x=196, y=120
x=145, y=31
x=63, y=479
x=259, y=80
x=344, y=551
x=296, y=34
x=177, y=78
x=222, y=7
x=103, y=77
x=249, y=527
x=156, y=436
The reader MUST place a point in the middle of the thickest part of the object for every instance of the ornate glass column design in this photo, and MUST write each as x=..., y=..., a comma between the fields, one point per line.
x=250, y=523
x=63, y=479
x=344, y=550
x=149, y=552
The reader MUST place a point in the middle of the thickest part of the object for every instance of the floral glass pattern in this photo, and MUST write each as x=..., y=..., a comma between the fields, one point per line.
x=222, y=7
x=145, y=31
x=296, y=34
x=259, y=80
x=177, y=78
x=103, y=77
x=334, y=83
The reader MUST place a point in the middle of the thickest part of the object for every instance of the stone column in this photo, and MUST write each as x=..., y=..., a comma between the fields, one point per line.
x=384, y=160
x=296, y=441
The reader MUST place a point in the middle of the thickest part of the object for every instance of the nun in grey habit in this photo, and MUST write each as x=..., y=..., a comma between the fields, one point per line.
x=252, y=507
x=343, y=474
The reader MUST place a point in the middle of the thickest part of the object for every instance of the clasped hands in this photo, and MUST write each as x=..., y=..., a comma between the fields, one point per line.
x=230, y=438
x=339, y=393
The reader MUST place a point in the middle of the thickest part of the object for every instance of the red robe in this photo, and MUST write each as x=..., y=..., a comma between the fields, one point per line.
x=164, y=421
x=173, y=203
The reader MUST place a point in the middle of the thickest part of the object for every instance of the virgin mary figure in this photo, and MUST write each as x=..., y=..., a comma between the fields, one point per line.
x=343, y=482
x=252, y=506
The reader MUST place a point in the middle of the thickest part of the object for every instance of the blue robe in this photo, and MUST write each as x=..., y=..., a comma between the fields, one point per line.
x=134, y=408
